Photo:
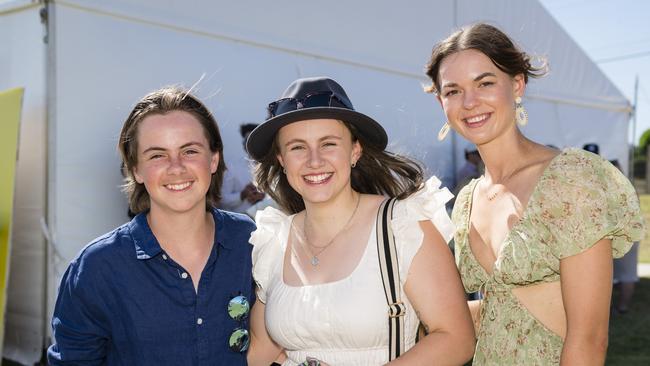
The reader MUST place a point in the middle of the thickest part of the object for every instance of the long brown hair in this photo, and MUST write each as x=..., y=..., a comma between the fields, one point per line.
x=490, y=41
x=163, y=101
x=376, y=172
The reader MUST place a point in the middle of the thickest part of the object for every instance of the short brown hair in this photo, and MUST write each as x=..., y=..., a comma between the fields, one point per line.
x=163, y=101
x=376, y=172
x=488, y=40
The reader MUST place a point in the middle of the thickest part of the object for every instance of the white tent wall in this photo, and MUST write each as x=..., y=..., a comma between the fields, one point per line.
x=105, y=55
x=22, y=64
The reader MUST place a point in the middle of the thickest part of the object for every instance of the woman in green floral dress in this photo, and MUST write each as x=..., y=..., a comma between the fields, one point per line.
x=536, y=234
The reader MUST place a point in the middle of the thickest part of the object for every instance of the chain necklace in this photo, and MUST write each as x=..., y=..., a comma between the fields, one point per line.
x=492, y=196
x=314, y=256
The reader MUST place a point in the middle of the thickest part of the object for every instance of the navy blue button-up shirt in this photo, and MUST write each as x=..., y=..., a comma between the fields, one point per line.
x=123, y=301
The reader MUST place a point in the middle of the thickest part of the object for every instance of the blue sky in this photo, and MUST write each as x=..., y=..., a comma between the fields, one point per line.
x=616, y=35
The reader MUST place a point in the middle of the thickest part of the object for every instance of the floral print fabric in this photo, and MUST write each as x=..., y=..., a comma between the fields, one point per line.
x=579, y=199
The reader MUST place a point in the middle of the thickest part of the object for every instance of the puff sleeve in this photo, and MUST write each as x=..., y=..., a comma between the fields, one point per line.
x=426, y=204
x=267, y=247
x=588, y=199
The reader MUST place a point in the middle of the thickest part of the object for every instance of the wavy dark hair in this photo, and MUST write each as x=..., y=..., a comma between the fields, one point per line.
x=376, y=172
x=160, y=102
x=490, y=41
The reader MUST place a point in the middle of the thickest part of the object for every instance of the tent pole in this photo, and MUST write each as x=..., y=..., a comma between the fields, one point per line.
x=634, y=142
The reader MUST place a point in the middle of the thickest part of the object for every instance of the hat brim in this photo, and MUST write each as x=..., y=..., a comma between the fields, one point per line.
x=261, y=138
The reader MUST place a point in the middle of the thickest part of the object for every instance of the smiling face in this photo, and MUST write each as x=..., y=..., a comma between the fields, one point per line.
x=175, y=163
x=477, y=97
x=317, y=156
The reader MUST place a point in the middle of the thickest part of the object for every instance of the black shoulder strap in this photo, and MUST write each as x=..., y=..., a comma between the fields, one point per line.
x=390, y=276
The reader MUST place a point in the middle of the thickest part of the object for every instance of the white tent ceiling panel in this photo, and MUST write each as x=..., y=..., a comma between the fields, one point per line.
x=371, y=33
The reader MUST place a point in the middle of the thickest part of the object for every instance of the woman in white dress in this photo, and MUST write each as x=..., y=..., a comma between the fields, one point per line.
x=320, y=296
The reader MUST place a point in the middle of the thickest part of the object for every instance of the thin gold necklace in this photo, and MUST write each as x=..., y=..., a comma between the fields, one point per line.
x=314, y=256
x=503, y=181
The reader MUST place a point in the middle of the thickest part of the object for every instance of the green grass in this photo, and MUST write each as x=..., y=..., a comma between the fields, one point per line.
x=629, y=334
x=644, y=247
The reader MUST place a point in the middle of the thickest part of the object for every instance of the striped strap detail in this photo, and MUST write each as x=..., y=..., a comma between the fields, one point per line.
x=390, y=277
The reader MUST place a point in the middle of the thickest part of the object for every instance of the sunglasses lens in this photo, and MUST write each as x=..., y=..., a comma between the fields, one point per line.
x=317, y=100
x=239, y=340
x=324, y=99
x=283, y=106
x=238, y=307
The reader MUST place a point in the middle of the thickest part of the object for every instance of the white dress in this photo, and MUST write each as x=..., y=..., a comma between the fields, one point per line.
x=344, y=322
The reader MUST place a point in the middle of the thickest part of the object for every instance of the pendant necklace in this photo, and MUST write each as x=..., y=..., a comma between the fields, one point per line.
x=314, y=256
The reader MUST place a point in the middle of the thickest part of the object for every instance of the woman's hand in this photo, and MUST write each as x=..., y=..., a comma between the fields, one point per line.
x=310, y=361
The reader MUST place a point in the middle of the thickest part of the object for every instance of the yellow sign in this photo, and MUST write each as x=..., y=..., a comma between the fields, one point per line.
x=10, y=106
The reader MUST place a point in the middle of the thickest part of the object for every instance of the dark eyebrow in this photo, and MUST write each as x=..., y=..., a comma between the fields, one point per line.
x=484, y=75
x=157, y=148
x=320, y=139
x=478, y=78
x=153, y=148
x=449, y=85
x=192, y=143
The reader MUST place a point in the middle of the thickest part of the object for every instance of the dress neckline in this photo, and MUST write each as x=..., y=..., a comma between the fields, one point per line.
x=285, y=247
x=524, y=214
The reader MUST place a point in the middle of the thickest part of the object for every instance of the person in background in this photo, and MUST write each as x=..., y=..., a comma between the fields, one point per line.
x=174, y=285
x=321, y=296
x=470, y=170
x=537, y=232
x=238, y=195
x=592, y=148
x=625, y=273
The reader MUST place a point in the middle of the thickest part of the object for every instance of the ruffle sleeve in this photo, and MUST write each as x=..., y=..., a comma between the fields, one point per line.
x=587, y=199
x=267, y=247
x=426, y=204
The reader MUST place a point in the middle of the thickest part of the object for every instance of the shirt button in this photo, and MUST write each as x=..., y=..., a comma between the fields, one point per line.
x=199, y=321
x=184, y=275
x=165, y=256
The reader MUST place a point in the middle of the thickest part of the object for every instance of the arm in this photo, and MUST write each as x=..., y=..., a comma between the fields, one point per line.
x=475, y=310
x=586, y=281
x=263, y=349
x=78, y=329
x=433, y=287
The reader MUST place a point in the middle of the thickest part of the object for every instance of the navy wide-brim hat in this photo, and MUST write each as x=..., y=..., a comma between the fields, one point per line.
x=312, y=98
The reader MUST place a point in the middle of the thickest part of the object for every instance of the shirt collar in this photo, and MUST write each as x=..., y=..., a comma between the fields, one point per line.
x=222, y=232
x=147, y=246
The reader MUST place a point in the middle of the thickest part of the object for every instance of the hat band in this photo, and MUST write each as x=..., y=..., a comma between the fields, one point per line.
x=319, y=99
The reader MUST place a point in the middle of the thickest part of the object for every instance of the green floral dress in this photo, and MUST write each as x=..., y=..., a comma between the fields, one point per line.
x=579, y=199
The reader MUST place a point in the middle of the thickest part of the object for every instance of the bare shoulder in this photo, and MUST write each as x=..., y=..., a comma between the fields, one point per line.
x=372, y=201
x=373, y=197
x=542, y=156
